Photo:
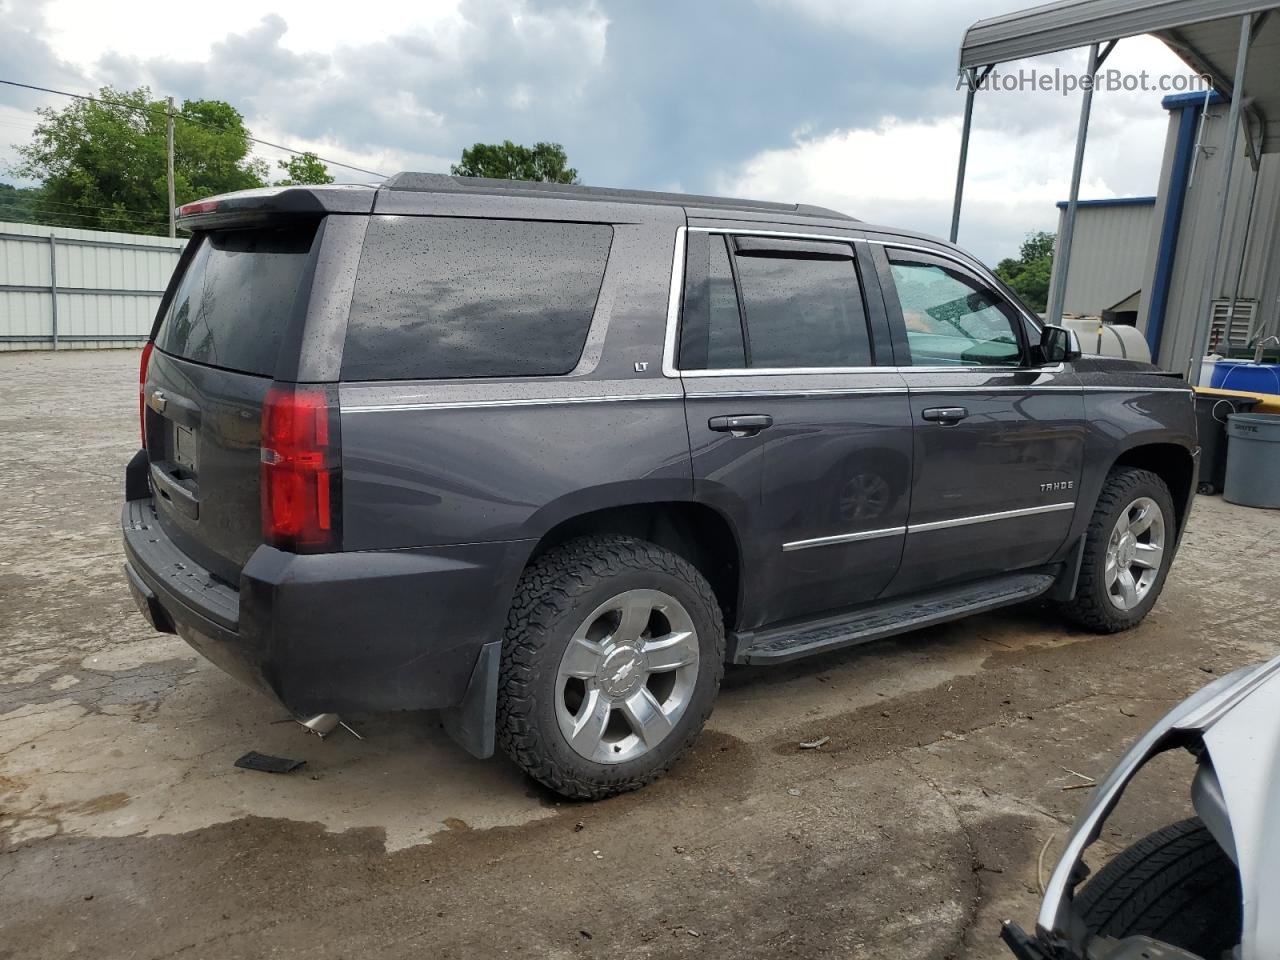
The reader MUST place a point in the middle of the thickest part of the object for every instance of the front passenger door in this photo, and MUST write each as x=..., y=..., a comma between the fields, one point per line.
x=998, y=438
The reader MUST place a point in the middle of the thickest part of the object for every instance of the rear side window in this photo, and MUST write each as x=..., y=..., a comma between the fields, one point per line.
x=439, y=297
x=711, y=328
x=803, y=305
x=232, y=305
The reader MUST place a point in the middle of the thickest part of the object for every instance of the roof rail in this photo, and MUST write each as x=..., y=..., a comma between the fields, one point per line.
x=443, y=183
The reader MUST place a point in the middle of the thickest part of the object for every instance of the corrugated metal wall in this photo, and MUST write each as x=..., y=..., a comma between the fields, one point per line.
x=1108, y=254
x=1260, y=280
x=109, y=285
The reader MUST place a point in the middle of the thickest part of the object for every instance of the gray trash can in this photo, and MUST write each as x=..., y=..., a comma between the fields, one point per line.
x=1253, y=460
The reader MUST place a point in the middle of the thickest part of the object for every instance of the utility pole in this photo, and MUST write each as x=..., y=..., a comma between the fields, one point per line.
x=168, y=135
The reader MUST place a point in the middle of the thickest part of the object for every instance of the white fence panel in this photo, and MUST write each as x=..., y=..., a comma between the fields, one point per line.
x=108, y=286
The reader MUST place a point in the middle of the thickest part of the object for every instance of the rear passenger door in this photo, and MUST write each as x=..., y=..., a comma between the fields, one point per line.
x=796, y=433
x=999, y=437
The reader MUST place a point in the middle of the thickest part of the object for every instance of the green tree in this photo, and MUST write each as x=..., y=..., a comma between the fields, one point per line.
x=18, y=204
x=1029, y=275
x=303, y=168
x=102, y=162
x=546, y=162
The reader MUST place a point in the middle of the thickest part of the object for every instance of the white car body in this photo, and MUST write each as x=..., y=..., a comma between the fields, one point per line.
x=1236, y=793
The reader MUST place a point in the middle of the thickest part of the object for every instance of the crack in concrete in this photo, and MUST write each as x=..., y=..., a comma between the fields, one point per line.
x=972, y=908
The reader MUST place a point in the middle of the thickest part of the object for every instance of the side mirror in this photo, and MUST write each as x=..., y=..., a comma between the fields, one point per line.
x=1059, y=345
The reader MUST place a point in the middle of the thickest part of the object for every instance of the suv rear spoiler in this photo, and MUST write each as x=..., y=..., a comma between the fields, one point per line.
x=272, y=204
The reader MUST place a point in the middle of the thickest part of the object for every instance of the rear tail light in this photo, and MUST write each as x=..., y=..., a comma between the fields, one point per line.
x=301, y=479
x=142, y=389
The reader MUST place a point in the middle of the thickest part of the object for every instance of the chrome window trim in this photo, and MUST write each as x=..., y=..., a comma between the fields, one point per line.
x=791, y=371
x=517, y=402
x=843, y=538
x=988, y=517
x=780, y=371
x=997, y=388
x=676, y=295
x=961, y=368
x=798, y=392
x=1095, y=389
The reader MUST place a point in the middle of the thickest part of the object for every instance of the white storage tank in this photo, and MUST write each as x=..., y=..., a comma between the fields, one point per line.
x=1109, y=340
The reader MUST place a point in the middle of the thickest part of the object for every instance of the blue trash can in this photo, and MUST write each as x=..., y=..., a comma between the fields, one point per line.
x=1253, y=460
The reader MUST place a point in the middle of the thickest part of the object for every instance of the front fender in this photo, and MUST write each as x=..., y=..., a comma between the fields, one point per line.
x=1237, y=721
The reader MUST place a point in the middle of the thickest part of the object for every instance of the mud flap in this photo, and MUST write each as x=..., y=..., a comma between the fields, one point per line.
x=472, y=722
x=136, y=484
x=1064, y=587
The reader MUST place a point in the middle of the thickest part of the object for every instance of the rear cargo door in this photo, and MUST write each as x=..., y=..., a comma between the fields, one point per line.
x=217, y=345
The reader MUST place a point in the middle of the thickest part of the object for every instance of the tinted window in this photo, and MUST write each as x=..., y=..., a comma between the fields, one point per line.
x=953, y=319
x=711, y=327
x=803, y=310
x=233, y=302
x=441, y=297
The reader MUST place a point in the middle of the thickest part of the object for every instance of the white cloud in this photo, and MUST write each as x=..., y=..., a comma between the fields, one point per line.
x=82, y=31
x=902, y=173
x=849, y=107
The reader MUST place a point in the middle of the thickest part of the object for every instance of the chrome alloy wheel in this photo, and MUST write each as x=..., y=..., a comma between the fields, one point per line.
x=627, y=676
x=1134, y=553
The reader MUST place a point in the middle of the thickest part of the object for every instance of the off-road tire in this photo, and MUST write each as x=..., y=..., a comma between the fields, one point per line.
x=1091, y=607
x=555, y=593
x=1176, y=886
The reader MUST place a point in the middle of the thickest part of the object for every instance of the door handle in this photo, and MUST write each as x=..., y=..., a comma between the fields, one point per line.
x=944, y=415
x=176, y=408
x=741, y=425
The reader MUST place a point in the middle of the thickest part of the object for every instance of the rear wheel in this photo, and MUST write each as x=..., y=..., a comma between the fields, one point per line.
x=1127, y=551
x=612, y=657
x=1176, y=886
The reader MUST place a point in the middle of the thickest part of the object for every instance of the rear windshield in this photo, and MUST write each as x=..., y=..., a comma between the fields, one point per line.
x=232, y=305
x=441, y=297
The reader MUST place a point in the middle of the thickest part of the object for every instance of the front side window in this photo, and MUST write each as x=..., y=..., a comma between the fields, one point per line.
x=952, y=319
x=444, y=297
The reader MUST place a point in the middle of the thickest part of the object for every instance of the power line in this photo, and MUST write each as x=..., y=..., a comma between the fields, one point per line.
x=183, y=117
x=72, y=209
x=121, y=211
x=68, y=218
x=97, y=213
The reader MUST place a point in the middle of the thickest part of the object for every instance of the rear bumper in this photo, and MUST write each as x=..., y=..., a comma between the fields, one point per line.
x=393, y=630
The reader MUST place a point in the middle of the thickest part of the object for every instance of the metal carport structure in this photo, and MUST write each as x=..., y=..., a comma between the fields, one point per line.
x=1214, y=37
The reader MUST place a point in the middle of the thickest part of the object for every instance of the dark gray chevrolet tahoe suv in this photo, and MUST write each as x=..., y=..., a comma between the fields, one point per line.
x=546, y=458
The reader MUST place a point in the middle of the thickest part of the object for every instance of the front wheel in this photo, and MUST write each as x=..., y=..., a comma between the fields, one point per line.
x=613, y=654
x=1176, y=886
x=1127, y=551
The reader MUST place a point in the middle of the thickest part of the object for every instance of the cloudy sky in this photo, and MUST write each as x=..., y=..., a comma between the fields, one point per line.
x=844, y=103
